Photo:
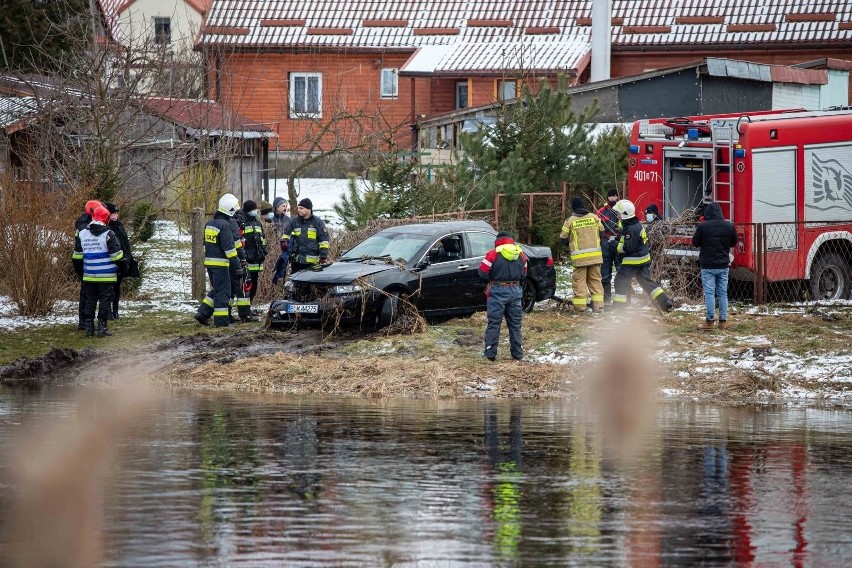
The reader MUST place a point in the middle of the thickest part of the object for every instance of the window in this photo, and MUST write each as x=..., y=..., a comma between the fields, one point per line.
x=480, y=243
x=461, y=94
x=305, y=95
x=162, y=30
x=390, y=83
x=447, y=249
x=506, y=90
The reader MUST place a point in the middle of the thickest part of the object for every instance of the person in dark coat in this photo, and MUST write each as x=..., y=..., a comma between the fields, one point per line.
x=504, y=267
x=118, y=228
x=714, y=237
x=281, y=222
x=255, y=244
x=609, y=243
x=306, y=238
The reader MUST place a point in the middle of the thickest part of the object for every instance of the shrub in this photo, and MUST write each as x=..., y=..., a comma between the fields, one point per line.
x=142, y=219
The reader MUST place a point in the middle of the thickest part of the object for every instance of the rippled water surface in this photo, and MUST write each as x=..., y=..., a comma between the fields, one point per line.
x=264, y=481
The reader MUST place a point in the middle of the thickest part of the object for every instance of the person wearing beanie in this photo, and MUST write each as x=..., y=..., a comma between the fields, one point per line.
x=582, y=234
x=97, y=260
x=118, y=228
x=652, y=214
x=280, y=218
x=504, y=267
x=609, y=242
x=280, y=221
x=266, y=212
x=255, y=251
x=306, y=239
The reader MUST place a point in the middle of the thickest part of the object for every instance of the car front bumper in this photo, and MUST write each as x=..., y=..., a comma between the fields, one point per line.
x=346, y=309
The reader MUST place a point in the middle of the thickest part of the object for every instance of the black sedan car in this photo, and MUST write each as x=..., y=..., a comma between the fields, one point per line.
x=433, y=265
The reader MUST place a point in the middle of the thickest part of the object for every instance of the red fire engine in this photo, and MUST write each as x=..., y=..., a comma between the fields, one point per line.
x=789, y=170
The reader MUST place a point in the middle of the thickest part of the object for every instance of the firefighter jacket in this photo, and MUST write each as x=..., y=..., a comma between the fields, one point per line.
x=255, y=244
x=583, y=232
x=504, y=264
x=237, y=222
x=97, y=254
x=611, y=222
x=633, y=244
x=219, y=249
x=306, y=239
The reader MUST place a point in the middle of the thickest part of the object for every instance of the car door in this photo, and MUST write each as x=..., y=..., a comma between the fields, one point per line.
x=478, y=244
x=449, y=274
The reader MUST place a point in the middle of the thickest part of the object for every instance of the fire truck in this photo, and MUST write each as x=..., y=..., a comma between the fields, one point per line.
x=783, y=177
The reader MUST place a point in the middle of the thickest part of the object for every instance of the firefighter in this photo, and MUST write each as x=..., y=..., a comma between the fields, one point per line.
x=609, y=243
x=97, y=259
x=220, y=258
x=79, y=224
x=504, y=267
x=280, y=220
x=305, y=238
x=255, y=244
x=582, y=233
x=635, y=260
x=239, y=294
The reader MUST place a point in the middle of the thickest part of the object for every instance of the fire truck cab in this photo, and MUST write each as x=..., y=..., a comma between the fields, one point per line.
x=785, y=174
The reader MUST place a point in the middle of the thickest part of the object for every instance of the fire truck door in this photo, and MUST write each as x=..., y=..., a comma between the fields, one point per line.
x=774, y=195
x=686, y=184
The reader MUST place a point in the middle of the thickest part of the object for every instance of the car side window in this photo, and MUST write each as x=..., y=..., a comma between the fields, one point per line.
x=447, y=249
x=480, y=243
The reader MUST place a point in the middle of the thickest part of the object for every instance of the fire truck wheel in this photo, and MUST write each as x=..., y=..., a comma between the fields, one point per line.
x=830, y=278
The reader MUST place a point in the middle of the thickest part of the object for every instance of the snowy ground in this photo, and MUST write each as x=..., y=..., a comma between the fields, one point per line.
x=323, y=193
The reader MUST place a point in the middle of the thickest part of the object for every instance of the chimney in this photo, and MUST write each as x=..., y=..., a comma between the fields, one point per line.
x=601, y=39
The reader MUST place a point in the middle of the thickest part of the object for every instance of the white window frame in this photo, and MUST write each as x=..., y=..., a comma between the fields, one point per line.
x=291, y=82
x=466, y=85
x=393, y=92
x=154, y=28
x=501, y=84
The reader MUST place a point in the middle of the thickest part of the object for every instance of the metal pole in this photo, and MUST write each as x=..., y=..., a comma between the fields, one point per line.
x=497, y=211
x=759, y=264
x=198, y=274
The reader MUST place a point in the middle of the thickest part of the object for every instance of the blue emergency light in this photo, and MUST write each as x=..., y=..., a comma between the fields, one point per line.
x=739, y=153
x=634, y=149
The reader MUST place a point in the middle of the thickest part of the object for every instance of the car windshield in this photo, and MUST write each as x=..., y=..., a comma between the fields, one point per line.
x=388, y=245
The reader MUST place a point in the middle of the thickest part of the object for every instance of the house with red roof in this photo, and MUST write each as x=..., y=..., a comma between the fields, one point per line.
x=287, y=63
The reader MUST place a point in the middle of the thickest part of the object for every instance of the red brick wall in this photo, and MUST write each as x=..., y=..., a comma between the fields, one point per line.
x=257, y=86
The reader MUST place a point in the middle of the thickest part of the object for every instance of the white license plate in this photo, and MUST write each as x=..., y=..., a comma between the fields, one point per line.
x=302, y=308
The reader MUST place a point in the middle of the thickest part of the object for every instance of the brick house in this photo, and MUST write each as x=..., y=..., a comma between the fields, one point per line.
x=289, y=64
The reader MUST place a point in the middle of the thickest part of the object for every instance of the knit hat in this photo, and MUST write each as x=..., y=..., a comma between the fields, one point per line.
x=612, y=193
x=652, y=208
x=577, y=203
x=249, y=206
x=503, y=236
x=265, y=207
x=276, y=203
x=111, y=207
x=306, y=203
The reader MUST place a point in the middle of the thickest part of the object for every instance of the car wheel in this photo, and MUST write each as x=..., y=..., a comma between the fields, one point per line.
x=389, y=311
x=528, y=297
x=830, y=278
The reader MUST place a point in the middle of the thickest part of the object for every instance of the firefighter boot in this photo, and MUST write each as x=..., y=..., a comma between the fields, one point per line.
x=89, y=326
x=102, y=329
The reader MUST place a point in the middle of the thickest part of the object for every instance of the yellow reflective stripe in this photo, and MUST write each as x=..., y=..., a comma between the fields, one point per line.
x=656, y=292
x=622, y=298
x=620, y=247
x=243, y=302
x=311, y=259
x=216, y=262
x=323, y=245
x=117, y=256
x=208, y=301
x=238, y=244
x=248, y=230
x=231, y=253
x=597, y=298
x=220, y=312
x=579, y=301
x=77, y=256
x=255, y=267
x=211, y=234
x=112, y=278
x=633, y=260
x=592, y=254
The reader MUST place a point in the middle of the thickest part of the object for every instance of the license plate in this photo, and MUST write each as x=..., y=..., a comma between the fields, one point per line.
x=302, y=308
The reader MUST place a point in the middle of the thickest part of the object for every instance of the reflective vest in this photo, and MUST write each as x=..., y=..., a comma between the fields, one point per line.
x=255, y=244
x=584, y=239
x=99, y=249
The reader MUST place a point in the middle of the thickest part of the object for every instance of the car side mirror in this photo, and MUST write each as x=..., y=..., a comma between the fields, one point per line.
x=424, y=263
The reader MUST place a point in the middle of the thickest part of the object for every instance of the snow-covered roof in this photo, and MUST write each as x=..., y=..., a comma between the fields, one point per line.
x=13, y=109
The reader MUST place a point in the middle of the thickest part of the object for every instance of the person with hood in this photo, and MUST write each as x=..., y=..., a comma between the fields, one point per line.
x=79, y=224
x=635, y=260
x=220, y=258
x=652, y=214
x=306, y=238
x=582, y=234
x=609, y=242
x=266, y=212
x=504, y=267
x=280, y=220
x=117, y=227
x=715, y=236
x=97, y=260
x=255, y=244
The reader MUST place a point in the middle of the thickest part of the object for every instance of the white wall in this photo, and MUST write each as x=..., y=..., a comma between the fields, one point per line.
x=137, y=22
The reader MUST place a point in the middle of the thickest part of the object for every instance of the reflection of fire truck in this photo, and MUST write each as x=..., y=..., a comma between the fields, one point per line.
x=790, y=170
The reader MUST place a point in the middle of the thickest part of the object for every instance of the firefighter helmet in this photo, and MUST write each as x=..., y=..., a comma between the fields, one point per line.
x=625, y=209
x=228, y=204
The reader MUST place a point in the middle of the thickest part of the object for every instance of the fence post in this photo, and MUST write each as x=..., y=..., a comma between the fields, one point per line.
x=196, y=227
x=496, y=211
x=759, y=264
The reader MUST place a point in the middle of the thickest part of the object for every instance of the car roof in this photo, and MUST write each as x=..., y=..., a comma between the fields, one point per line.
x=442, y=227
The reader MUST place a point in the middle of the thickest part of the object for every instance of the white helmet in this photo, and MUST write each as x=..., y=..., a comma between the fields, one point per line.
x=228, y=204
x=625, y=209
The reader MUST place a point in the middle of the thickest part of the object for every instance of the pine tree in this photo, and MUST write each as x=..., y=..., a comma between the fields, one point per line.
x=36, y=34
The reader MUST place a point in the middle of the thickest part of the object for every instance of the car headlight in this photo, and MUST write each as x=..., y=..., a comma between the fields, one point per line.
x=348, y=289
x=288, y=285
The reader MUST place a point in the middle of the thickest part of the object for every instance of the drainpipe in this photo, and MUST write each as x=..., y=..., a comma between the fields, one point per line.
x=601, y=39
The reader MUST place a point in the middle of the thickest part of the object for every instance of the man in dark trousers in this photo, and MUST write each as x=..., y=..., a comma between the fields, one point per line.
x=714, y=237
x=79, y=224
x=255, y=244
x=609, y=242
x=280, y=220
x=117, y=227
x=306, y=238
x=220, y=258
x=97, y=260
x=504, y=267
x=635, y=260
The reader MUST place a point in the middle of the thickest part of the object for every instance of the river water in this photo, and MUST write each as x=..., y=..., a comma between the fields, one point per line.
x=280, y=481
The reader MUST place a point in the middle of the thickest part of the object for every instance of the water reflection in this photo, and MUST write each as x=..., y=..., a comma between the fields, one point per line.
x=336, y=482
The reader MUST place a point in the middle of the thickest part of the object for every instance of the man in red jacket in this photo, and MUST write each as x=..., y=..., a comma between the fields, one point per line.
x=504, y=267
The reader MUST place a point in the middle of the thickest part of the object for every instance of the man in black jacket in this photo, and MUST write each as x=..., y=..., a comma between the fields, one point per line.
x=306, y=238
x=715, y=237
x=117, y=227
